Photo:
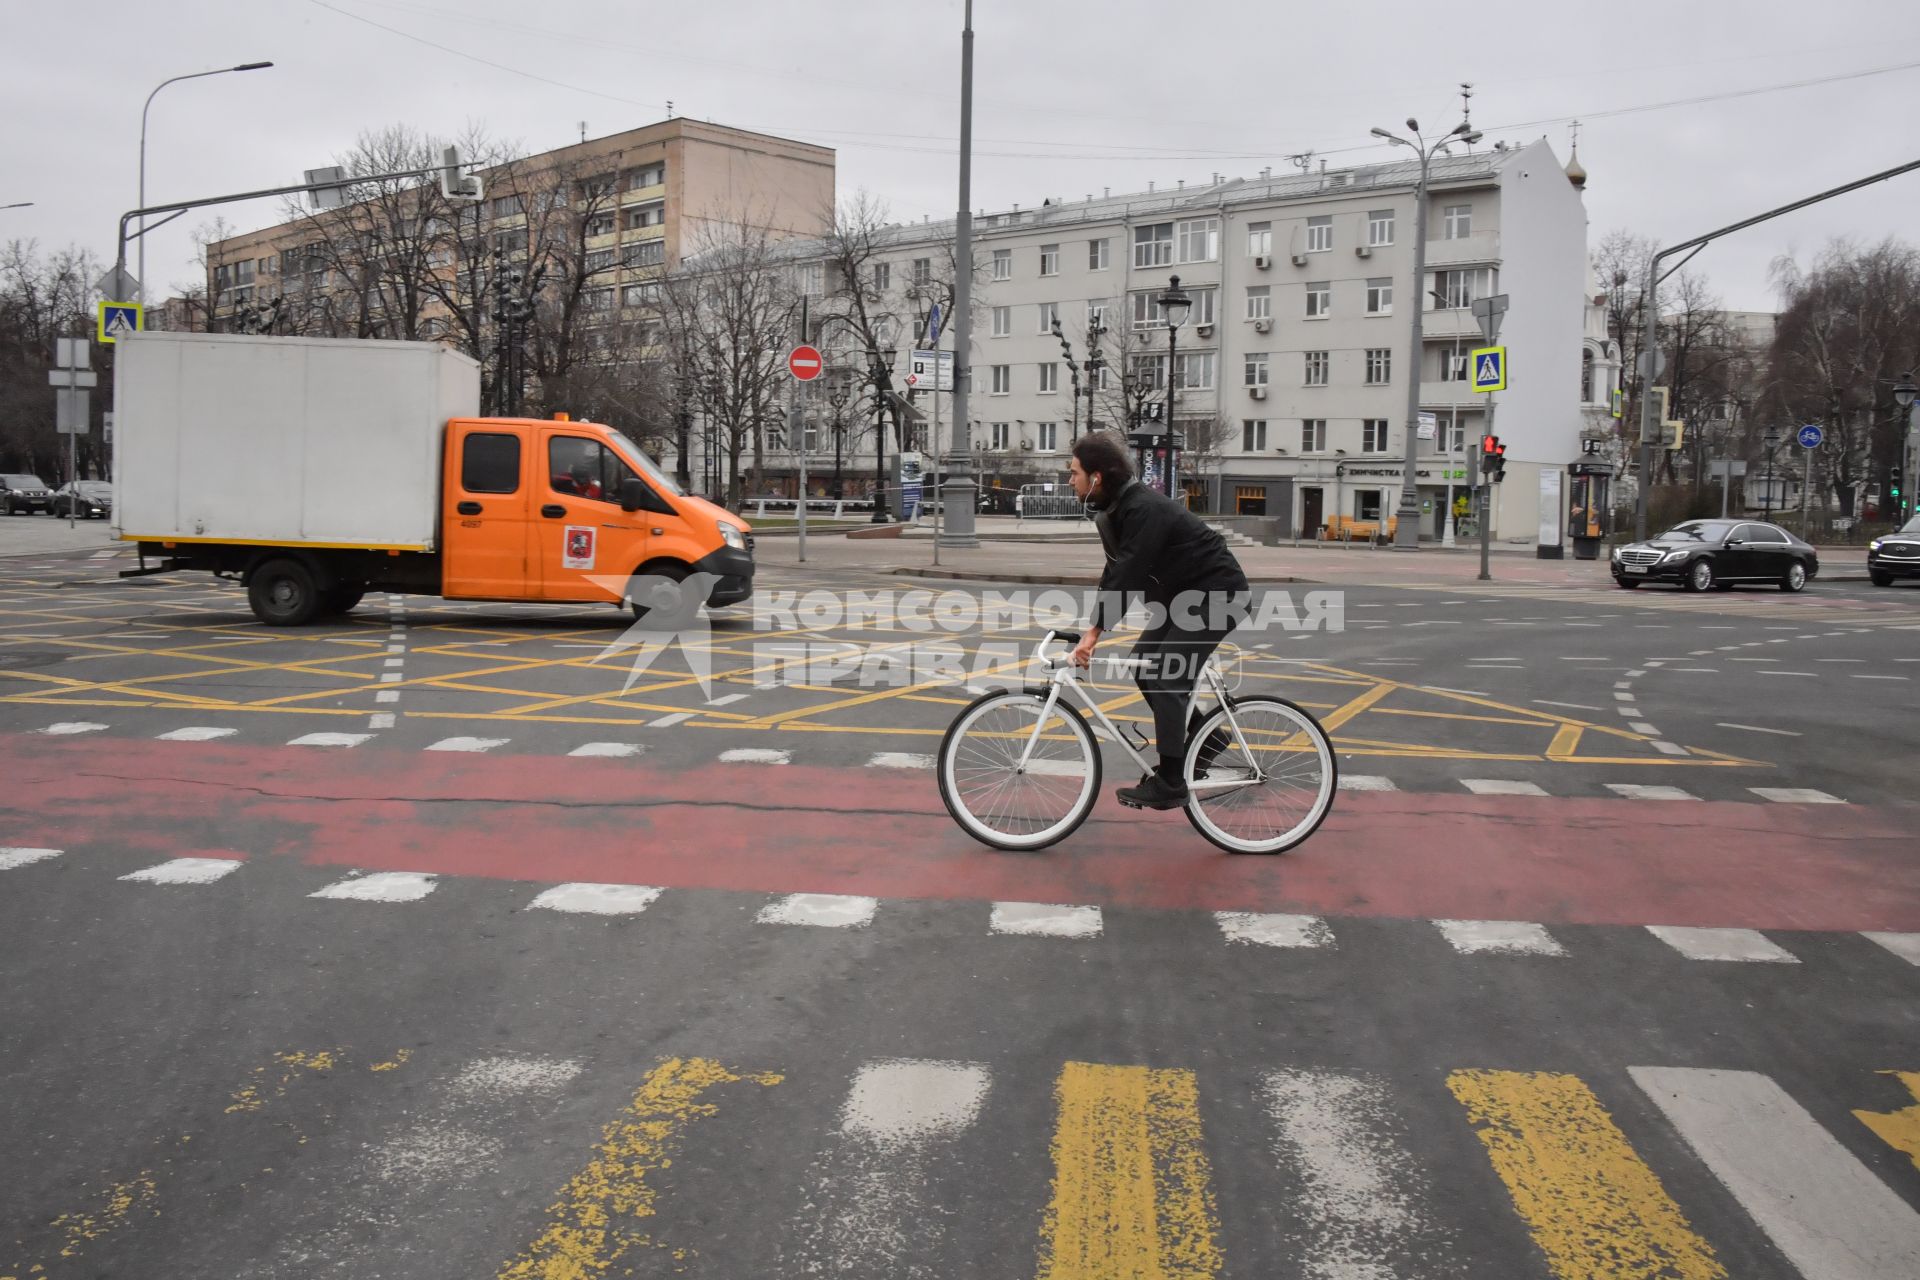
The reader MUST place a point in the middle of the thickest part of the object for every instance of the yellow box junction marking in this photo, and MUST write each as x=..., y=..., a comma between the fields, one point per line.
x=1898, y=1129
x=1131, y=1194
x=117, y=1202
x=595, y=1221
x=292, y=1065
x=1594, y=1207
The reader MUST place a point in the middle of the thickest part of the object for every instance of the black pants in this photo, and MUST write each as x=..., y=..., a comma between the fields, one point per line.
x=1177, y=650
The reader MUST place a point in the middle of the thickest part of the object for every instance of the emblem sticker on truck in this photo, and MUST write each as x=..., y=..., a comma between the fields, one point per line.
x=577, y=551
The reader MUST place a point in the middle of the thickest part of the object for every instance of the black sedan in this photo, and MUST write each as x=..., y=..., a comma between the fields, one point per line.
x=1718, y=553
x=1895, y=556
x=84, y=498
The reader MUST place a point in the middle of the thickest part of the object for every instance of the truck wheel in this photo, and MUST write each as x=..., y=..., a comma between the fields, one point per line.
x=342, y=599
x=655, y=595
x=282, y=594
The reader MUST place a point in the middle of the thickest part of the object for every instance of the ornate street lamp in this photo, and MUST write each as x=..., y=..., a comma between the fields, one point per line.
x=1175, y=306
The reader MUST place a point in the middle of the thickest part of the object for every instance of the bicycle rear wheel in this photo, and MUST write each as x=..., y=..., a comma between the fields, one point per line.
x=992, y=797
x=1297, y=770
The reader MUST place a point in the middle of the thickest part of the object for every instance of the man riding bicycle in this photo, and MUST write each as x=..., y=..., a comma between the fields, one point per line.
x=1195, y=591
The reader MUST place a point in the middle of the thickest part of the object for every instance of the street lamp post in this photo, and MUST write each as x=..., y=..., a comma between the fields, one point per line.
x=142, y=268
x=1772, y=440
x=1174, y=305
x=1407, y=532
x=838, y=392
x=1904, y=394
x=881, y=373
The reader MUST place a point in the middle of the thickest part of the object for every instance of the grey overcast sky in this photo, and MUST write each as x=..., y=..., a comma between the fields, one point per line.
x=1071, y=97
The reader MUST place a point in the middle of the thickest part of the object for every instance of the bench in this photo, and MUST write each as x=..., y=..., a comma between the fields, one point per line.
x=1353, y=529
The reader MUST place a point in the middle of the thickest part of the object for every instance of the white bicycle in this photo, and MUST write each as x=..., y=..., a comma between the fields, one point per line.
x=1020, y=769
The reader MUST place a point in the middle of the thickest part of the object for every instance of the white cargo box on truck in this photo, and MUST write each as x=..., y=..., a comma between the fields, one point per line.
x=294, y=441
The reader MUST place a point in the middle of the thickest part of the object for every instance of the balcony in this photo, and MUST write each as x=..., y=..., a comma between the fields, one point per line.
x=1473, y=250
x=1441, y=397
x=1450, y=324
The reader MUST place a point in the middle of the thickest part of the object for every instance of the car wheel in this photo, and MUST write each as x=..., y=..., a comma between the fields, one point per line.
x=1626, y=584
x=282, y=593
x=1700, y=575
x=1880, y=579
x=1795, y=578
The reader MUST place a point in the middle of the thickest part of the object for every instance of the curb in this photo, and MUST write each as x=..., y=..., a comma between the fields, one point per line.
x=1056, y=580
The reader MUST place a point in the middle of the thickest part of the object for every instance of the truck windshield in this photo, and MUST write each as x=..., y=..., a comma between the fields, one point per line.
x=637, y=456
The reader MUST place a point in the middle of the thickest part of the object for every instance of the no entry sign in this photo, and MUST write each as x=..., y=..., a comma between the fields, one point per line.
x=805, y=363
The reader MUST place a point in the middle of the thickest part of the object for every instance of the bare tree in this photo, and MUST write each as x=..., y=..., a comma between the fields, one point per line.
x=1620, y=267
x=43, y=298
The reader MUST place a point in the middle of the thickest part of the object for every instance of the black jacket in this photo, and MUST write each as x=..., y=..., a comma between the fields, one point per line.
x=1156, y=547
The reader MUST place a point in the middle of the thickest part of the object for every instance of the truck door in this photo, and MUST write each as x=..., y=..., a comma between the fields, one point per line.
x=580, y=534
x=483, y=521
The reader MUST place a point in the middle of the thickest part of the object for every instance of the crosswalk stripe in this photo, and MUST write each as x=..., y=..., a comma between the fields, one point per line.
x=1500, y=937
x=1904, y=945
x=596, y=899
x=756, y=755
x=330, y=739
x=1898, y=1129
x=821, y=910
x=1642, y=791
x=1131, y=1187
x=1795, y=795
x=1045, y=919
x=1362, y=1196
x=1502, y=787
x=187, y=871
x=17, y=857
x=197, y=733
x=1593, y=1206
x=619, y=750
x=472, y=745
x=1366, y=782
x=380, y=886
x=68, y=728
x=871, y=1212
x=1832, y=1218
x=899, y=760
x=597, y=1218
x=1722, y=944
x=1274, y=930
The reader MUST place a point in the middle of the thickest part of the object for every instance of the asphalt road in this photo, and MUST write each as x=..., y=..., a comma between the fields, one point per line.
x=1604, y=964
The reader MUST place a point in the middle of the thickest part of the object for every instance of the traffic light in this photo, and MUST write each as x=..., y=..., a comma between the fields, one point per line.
x=1493, y=457
x=1893, y=487
x=1619, y=399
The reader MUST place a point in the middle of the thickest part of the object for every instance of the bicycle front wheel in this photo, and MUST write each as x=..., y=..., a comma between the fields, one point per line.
x=1272, y=799
x=996, y=799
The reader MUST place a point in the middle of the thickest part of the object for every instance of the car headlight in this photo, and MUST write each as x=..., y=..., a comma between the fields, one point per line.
x=731, y=535
x=1673, y=555
x=1875, y=544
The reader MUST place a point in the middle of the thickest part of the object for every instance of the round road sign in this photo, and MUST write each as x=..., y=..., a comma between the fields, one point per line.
x=1811, y=436
x=805, y=363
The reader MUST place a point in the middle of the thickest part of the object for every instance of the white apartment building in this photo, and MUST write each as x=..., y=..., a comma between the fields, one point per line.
x=1299, y=331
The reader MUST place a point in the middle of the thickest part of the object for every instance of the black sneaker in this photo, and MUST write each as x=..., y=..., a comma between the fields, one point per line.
x=1154, y=792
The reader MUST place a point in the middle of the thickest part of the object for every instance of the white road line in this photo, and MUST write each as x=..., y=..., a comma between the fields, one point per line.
x=1830, y=1216
x=612, y=749
x=1858, y=676
x=1808, y=674
x=821, y=910
x=1669, y=748
x=1722, y=944
x=387, y=695
x=1754, y=728
x=1837, y=659
x=1502, y=787
x=380, y=720
x=1366, y=782
x=469, y=745
x=728, y=699
x=899, y=760
x=67, y=728
x=380, y=886
x=1622, y=697
x=1698, y=671
x=1641, y=791
x=330, y=740
x=1574, y=706
x=1795, y=795
x=196, y=733
x=13, y=857
x=581, y=898
x=755, y=755
x=1440, y=688
x=1640, y=726
x=1904, y=945
x=187, y=871
x=396, y=662
x=1274, y=930
x=1500, y=937
x=1362, y=1197
x=1045, y=920
x=678, y=717
x=391, y=677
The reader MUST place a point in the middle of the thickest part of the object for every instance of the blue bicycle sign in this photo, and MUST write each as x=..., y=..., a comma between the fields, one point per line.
x=1811, y=436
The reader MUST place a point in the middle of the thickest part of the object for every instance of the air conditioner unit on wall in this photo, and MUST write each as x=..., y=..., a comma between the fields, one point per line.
x=1362, y=251
x=1261, y=262
x=1299, y=259
x=1204, y=330
x=1263, y=326
x=1258, y=393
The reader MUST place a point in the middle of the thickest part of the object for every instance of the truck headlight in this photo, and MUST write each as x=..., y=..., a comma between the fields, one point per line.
x=731, y=535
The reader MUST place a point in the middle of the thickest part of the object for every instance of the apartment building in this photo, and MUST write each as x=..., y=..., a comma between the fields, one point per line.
x=1297, y=340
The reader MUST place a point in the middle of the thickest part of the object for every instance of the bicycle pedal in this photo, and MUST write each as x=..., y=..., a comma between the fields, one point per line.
x=1131, y=804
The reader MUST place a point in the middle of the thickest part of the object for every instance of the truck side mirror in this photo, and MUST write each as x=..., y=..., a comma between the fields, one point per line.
x=633, y=494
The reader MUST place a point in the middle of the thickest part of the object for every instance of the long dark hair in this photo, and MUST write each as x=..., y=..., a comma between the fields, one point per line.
x=1101, y=453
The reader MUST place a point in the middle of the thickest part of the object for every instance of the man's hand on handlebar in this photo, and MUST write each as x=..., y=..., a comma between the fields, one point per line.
x=1082, y=655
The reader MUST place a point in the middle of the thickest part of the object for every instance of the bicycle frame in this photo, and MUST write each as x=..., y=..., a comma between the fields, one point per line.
x=1062, y=676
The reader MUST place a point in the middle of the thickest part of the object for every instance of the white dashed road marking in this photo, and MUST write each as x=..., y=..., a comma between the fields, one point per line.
x=187, y=871
x=380, y=886
x=1045, y=920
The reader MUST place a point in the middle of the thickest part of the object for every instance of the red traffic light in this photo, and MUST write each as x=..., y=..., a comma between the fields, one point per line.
x=1489, y=444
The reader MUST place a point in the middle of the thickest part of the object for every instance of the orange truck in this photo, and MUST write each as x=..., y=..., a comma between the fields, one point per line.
x=314, y=470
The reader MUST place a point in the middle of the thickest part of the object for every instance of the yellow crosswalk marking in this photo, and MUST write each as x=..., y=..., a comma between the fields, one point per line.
x=1898, y=1129
x=594, y=1222
x=1594, y=1207
x=1131, y=1188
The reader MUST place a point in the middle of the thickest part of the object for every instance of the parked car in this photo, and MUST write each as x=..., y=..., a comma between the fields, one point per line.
x=1718, y=553
x=1895, y=556
x=24, y=494
x=86, y=499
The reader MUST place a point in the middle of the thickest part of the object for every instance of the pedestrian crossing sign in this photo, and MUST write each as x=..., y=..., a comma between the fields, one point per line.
x=1490, y=369
x=117, y=319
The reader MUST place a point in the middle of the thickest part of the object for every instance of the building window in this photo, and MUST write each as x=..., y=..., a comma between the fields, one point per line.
x=1453, y=366
x=1320, y=233
x=882, y=276
x=1458, y=289
x=1586, y=376
x=1379, y=227
x=1458, y=219
x=1003, y=264
x=648, y=253
x=507, y=207
x=923, y=270
x=1313, y=435
x=1250, y=500
x=1049, y=259
x=651, y=214
x=1316, y=368
x=651, y=175
x=1002, y=379
x=600, y=224
x=1319, y=300
x=595, y=300
x=1259, y=239
x=1097, y=315
x=1260, y=302
x=812, y=278
x=1149, y=372
x=1097, y=254
x=1256, y=368
x=1379, y=366
x=511, y=242
x=1002, y=433
x=1373, y=435
x=1200, y=240
x=1002, y=321
x=1380, y=296
x=1050, y=377
x=1366, y=504
x=1049, y=316
x=1153, y=246
x=1196, y=370
x=1049, y=433
x=1205, y=304
x=640, y=295
x=599, y=260
x=1253, y=436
